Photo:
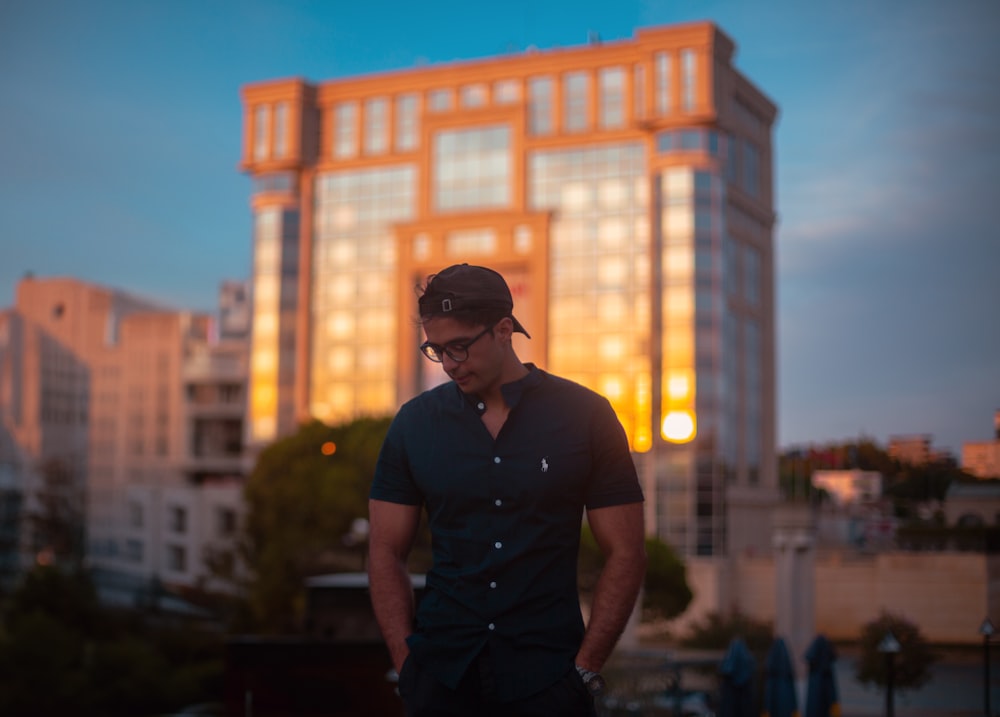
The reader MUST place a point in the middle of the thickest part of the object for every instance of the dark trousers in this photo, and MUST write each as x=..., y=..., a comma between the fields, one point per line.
x=475, y=696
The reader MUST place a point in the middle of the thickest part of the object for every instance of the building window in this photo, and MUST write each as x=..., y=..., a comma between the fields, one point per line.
x=281, y=130
x=732, y=158
x=230, y=393
x=225, y=522
x=540, y=105
x=752, y=405
x=751, y=275
x=639, y=91
x=271, y=182
x=474, y=96
x=178, y=519
x=662, y=80
x=439, y=100
x=506, y=92
x=472, y=168
x=345, y=129
x=688, y=79
x=471, y=242
x=576, y=101
x=135, y=514
x=523, y=239
x=261, y=129
x=751, y=168
x=407, y=122
x=598, y=241
x=612, y=97
x=133, y=551
x=353, y=321
x=421, y=247
x=176, y=558
x=376, y=125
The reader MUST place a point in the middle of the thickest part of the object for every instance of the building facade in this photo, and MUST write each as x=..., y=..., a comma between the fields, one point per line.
x=124, y=422
x=982, y=458
x=625, y=191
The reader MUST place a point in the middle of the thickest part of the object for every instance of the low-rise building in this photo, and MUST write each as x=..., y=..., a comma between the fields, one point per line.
x=982, y=458
x=122, y=422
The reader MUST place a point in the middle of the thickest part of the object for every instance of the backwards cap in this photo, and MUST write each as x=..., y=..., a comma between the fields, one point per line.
x=465, y=288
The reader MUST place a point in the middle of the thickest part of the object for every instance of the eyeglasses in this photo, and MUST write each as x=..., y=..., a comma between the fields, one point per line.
x=456, y=351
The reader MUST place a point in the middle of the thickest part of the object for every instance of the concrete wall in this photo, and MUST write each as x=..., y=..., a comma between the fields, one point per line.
x=946, y=594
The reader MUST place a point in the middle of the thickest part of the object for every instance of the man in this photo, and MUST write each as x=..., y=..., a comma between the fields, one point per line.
x=505, y=457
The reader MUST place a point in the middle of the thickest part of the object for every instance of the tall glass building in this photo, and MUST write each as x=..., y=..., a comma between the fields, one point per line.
x=623, y=188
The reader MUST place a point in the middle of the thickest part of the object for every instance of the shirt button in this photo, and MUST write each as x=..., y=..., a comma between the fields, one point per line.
x=492, y=626
x=493, y=583
x=480, y=405
x=496, y=459
x=498, y=502
x=498, y=545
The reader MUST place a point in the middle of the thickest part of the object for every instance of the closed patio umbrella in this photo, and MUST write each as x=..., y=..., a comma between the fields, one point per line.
x=780, y=699
x=821, y=693
x=737, y=671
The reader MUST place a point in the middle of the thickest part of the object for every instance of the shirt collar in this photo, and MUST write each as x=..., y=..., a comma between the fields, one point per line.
x=511, y=392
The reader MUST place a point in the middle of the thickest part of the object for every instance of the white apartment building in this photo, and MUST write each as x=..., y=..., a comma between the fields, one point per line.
x=135, y=413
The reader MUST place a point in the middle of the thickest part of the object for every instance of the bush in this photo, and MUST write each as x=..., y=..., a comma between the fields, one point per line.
x=717, y=630
x=667, y=593
x=911, y=664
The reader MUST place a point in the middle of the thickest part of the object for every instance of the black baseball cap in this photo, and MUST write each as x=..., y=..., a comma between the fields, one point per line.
x=465, y=288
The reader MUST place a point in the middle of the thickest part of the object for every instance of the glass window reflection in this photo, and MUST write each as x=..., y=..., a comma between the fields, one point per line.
x=576, y=101
x=376, y=125
x=540, y=106
x=472, y=168
x=662, y=70
x=353, y=352
x=407, y=122
x=612, y=97
x=345, y=129
x=688, y=79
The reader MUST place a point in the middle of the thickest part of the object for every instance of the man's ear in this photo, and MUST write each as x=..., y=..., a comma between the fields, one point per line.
x=504, y=328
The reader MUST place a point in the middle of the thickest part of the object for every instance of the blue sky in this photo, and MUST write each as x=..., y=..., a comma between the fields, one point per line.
x=120, y=131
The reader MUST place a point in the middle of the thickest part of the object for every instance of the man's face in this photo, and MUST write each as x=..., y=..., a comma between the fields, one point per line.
x=481, y=370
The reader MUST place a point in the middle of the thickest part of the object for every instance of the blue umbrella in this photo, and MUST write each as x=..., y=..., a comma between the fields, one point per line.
x=737, y=670
x=821, y=694
x=779, y=685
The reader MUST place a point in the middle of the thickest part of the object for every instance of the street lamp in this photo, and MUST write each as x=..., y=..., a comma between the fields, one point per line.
x=986, y=630
x=890, y=647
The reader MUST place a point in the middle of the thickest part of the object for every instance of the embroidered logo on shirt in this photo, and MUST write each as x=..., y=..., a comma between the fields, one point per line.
x=545, y=465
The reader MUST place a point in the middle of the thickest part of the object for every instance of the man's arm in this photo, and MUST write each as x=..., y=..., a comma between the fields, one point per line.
x=393, y=528
x=621, y=536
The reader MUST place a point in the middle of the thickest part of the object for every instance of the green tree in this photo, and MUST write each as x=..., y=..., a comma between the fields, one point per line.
x=302, y=497
x=666, y=592
x=905, y=484
x=61, y=653
x=911, y=664
x=56, y=519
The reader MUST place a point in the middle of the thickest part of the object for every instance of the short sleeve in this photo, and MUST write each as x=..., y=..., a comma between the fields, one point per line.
x=393, y=480
x=613, y=479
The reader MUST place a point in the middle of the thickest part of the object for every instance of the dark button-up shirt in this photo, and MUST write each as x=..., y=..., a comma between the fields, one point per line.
x=505, y=517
